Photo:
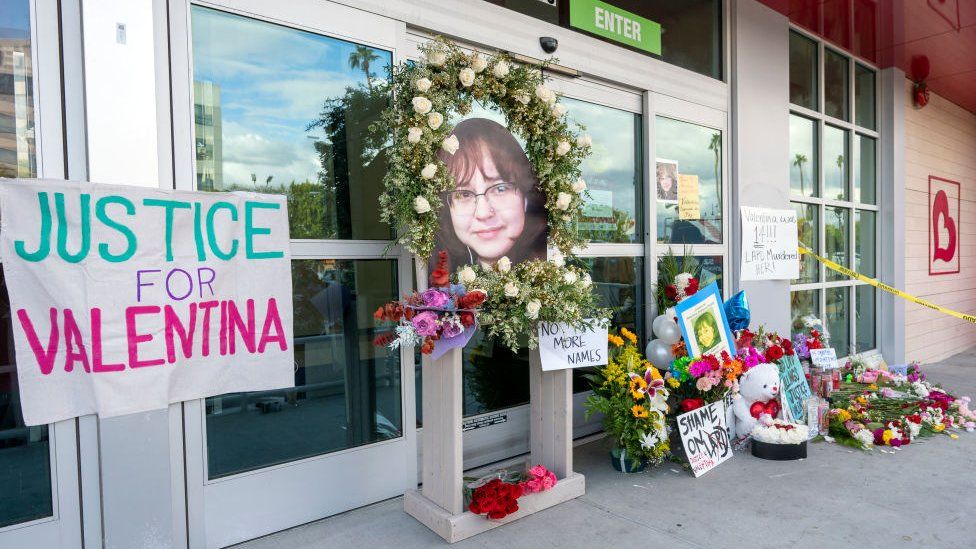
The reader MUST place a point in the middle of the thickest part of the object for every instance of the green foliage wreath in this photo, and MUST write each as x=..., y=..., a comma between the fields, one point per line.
x=445, y=82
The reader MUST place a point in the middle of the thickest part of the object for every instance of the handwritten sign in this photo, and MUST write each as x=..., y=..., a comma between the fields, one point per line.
x=127, y=299
x=689, y=197
x=705, y=437
x=563, y=346
x=824, y=358
x=769, y=244
x=795, y=388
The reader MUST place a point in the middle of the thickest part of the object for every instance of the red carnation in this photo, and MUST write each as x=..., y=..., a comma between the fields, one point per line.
x=788, y=347
x=467, y=318
x=428, y=346
x=690, y=404
x=380, y=314
x=471, y=300
x=774, y=353
x=671, y=291
x=692, y=286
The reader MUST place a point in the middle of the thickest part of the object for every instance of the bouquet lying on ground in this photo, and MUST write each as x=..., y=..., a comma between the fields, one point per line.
x=497, y=496
x=879, y=408
x=444, y=315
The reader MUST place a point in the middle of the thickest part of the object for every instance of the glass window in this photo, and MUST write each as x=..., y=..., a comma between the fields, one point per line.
x=865, y=243
x=17, y=148
x=711, y=271
x=803, y=71
x=836, y=227
x=808, y=228
x=836, y=86
x=865, y=170
x=347, y=390
x=835, y=147
x=689, y=182
x=839, y=320
x=803, y=156
x=865, y=308
x=286, y=111
x=864, y=110
x=804, y=308
x=612, y=171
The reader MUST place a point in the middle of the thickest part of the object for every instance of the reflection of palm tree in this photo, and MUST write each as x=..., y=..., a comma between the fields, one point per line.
x=716, y=147
x=799, y=160
x=360, y=59
x=840, y=167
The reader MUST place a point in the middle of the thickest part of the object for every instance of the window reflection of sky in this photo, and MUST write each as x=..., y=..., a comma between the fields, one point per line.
x=273, y=82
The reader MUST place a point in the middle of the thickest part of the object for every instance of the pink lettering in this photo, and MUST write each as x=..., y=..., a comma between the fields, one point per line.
x=272, y=320
x=134, y=339
x=237, y=325
x=172, y=324
x=205, y=307
x=72, y=337
x=96, y=328
x=45, y=358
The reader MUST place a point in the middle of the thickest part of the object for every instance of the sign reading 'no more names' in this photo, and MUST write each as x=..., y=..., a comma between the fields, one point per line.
x=127, y=299
x=563, y=346
x=704, y=437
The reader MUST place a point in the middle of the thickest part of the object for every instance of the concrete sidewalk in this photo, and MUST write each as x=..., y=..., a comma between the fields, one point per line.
x=918, y=496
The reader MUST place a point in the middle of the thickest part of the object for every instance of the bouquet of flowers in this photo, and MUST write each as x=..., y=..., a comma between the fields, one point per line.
x=677, y=279
x=697, y=381
x=781, y=432
x=497, y=495
x=444, y=315
x=631, y=395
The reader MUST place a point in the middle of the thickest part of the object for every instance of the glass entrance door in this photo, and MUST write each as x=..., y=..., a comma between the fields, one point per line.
x=284, y=101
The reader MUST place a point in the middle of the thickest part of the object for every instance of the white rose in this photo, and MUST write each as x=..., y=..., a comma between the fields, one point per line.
x=587, y=281
x=478, y=63
x=434, y=120
x=532, y=308
x=504, y=264
x=421, y=104
x=436, y=58
x=584, y=140
x=558, y=110
x=562, y=148
x=570, y=277
x=501, y=69
x=422, y=84
x=467, y=275
x=558, y=258
x=429, y=171
x=466, y=76
x=511, y=290
x=545, y=94
x=420, y=205
x=563, y=200
x=523, y=98
x=579, y=186
x=413, y=135
x=451, y=144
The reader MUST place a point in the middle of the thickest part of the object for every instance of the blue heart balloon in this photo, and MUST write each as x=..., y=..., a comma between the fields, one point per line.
x=737, y=311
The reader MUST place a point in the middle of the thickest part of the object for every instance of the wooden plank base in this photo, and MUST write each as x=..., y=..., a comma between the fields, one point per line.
x=461, y=526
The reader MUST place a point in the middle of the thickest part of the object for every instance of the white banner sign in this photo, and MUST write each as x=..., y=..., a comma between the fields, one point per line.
x=563, y=346
x=824, y=358
x=769, y=244
x=126, y=299
x=705, y=437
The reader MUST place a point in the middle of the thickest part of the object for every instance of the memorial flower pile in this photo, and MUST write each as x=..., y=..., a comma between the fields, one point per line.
x=632, y=396
x=694, y=382
x=444, y=313
x=879, y=408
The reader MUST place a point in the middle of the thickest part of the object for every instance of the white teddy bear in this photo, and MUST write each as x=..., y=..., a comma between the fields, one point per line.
x=758, y=398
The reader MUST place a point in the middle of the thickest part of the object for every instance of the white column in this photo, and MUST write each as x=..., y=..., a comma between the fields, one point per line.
x=891, y=220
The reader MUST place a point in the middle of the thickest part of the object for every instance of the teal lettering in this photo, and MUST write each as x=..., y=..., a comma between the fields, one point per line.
x=44, y=246
x=170, y=206
x=212, y=237
x=197, y=235
x=130, y=237
x=250, y=231
x=85, y=222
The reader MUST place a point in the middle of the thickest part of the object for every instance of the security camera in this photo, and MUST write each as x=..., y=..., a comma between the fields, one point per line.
x=549, y=44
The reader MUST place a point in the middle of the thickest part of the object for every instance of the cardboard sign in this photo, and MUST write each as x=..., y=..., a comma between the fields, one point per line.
x=563, y=346
x=127, y=299
x=705, y=437
x=824, y=358
x=689, y=197
x=794, y=387
x=769, y=244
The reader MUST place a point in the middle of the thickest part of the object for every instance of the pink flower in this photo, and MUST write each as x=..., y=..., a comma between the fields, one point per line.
x=704, y=384
x=435, y=298
x=425, y=323
x=540, y=479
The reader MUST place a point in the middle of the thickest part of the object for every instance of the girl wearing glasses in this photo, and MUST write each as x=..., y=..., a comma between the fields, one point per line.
x=496, y=209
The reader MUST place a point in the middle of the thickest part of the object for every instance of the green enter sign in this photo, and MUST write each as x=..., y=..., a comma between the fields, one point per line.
x=616, y=24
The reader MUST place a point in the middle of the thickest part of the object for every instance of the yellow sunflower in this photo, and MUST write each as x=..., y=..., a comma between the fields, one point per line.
x=639, y=411
x=637, y=386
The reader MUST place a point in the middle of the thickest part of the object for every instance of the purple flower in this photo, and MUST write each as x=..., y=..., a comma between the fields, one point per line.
x=800, y=346
x=435, y=298
x=451, y=328
x=425, y=323
x=699, y=368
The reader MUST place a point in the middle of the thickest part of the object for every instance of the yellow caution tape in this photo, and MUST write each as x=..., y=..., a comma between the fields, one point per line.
x=878, y=284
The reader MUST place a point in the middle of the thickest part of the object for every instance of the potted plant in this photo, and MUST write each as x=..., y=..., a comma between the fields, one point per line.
x=630, y=394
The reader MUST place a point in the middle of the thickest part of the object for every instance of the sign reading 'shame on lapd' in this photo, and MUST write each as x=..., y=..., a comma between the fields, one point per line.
x=704, y=437
x=126, y=299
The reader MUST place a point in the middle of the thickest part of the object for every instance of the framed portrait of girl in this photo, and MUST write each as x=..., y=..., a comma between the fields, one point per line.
x=496, y=208
x=704, y=324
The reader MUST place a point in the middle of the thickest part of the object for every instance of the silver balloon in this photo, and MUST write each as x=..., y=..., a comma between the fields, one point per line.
x=668, y=331
x=659, y=353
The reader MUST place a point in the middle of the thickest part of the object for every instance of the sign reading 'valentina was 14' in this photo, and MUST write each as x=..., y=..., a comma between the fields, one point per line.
x=126, y=299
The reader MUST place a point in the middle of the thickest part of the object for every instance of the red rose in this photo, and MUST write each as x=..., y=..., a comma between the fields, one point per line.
x=788, y=347
x=671, y=291
x=774, y=353
x=692, y=286
x=471, y=300
x=380, y=314
x=428, y=346
x=690, y=404
x=467, y=318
